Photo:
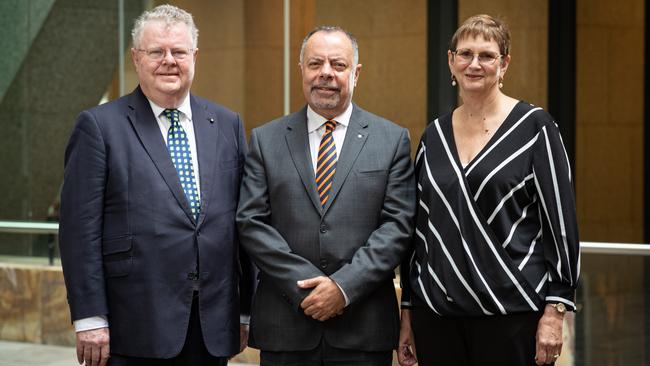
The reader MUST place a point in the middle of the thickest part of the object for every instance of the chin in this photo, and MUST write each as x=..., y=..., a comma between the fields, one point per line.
x=169, y=88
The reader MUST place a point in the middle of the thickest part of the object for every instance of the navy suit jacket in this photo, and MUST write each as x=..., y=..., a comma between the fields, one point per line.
x=129, y=243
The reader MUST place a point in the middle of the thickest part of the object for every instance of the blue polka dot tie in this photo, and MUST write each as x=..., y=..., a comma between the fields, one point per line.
x=179, y=149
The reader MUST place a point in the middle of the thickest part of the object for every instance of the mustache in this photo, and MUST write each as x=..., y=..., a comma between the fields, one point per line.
x=324, y=86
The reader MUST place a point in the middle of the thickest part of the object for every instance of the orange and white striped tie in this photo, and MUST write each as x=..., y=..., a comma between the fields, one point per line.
x=326, y=163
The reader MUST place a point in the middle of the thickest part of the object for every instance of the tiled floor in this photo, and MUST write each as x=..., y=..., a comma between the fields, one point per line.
x=22, y=354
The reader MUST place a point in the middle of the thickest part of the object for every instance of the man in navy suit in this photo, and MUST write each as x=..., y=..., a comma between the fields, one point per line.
x=148, y=240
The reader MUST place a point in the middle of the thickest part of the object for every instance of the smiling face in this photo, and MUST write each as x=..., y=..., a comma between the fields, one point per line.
x=328, y=73
x=475, y=76
x=165, y=81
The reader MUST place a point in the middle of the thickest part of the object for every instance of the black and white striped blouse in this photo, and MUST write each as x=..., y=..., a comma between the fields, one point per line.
x=498, y=236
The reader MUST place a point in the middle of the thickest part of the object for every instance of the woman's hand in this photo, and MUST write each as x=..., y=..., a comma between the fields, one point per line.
x=548, y=341
x=406, y=347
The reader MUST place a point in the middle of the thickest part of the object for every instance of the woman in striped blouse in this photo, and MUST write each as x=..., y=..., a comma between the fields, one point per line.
x=495, y=258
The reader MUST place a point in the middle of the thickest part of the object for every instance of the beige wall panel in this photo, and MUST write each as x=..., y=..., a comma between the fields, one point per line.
x=591, y=79
x=625, y=97
x=264, y=61
x=527, y=74
x=395, y=89
x=264, y=85
x=606, y=13
x=606, y=184
x=219, y=73
x=220, y=77
x=609, y=120
x=526, y=78
x=303, y=15
x=392, y=49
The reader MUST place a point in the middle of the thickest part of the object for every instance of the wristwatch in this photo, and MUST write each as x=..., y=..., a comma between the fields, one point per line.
x=560, y=307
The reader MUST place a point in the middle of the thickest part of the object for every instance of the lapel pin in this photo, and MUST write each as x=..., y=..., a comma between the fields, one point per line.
x=211, y=120
x=359, y=136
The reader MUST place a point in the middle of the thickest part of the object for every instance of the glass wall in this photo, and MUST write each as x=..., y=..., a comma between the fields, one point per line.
x=51, y=69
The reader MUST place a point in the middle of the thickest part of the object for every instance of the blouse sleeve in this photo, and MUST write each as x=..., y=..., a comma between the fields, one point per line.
x=552, y=174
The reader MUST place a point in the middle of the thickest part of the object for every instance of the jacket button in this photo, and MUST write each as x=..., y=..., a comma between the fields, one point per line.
x=323, y=229
x=323, y=263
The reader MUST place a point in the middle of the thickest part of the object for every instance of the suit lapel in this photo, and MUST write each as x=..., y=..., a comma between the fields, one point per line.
x=355, y=137
x=206, y=131
x=146, y=127
x=298, y=143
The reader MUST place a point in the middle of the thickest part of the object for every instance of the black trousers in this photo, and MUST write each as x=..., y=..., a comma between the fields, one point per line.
x=504, y=340
x=194, y=352
x=326, y=355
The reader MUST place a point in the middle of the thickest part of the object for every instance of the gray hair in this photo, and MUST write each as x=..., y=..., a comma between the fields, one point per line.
x=170, y=15
x=331, y=29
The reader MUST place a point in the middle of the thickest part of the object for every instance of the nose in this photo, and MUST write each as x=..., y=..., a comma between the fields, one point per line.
x=168, y=58
x=475, y=62
x=326, y=71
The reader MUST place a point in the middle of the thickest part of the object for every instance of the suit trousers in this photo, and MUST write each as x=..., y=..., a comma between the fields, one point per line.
x=505, y=340
x=193, y=353
x=326, y=355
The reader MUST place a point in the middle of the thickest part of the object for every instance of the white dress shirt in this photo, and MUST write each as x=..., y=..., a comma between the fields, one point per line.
x=316, y=130
x=188, y=126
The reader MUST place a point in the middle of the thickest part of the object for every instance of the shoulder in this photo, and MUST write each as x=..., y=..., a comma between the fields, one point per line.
x=377, y=122
x=214, y=108
x=444, y=121
x=103, y=116
x=281, y=124
x=535, y=115
x=117, y=106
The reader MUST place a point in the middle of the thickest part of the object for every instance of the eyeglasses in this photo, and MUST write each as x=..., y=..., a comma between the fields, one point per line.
x=466, y=56
x=157, y=54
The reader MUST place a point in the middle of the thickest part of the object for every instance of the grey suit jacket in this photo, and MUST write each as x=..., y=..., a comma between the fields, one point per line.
x=357, y=239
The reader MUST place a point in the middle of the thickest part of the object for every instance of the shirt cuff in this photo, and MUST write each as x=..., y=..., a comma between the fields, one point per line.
x=347, y=300
x=571, y=306
x=244, y=319
x=91, y=323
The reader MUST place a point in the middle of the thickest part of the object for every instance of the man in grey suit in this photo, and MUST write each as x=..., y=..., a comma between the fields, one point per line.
x=325, y=211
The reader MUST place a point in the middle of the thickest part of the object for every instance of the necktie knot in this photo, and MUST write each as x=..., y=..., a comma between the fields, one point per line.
x=330, y=125
x=172, y=115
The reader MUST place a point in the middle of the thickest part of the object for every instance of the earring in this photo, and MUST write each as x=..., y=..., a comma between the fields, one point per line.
x=453, y=81
x=500, y=83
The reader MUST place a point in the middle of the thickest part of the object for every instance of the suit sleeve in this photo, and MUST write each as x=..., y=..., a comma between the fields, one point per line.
x=264, y=244
x=82, y=205
x=247, y=268
x=552, y=175
x=405, y=266
x=384, y=249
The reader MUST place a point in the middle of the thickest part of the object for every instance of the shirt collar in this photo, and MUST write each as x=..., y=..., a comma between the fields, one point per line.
x=184, y=108
x=315, y=120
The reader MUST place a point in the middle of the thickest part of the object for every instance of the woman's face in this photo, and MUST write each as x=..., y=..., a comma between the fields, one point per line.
x=477, y=64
